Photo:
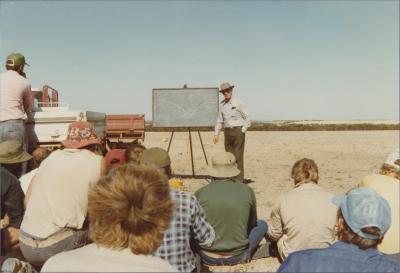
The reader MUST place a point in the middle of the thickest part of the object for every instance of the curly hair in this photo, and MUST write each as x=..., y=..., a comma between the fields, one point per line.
x=305, y=170
x=131, y=208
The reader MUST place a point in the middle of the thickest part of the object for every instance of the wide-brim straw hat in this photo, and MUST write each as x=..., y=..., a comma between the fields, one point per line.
x=223, y=164
x=80, y=135
x=11, y=152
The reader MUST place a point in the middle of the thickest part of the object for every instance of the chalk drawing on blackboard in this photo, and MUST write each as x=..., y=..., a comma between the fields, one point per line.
x=189, y=113
x=185, y=107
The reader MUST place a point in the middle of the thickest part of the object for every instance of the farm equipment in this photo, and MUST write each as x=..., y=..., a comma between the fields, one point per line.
x=49, y=120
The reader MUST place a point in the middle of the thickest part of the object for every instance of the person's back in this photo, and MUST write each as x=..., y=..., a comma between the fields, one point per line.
x=308, y=218
x=230, y=208
x=13, y=88
x=59, y=194
x=340, y=257
x=188, y=222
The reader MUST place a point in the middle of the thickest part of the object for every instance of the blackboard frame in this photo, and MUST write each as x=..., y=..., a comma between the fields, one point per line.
x=154, y=125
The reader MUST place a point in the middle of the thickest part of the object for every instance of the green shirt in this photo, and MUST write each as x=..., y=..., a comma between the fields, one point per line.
x=231, y=209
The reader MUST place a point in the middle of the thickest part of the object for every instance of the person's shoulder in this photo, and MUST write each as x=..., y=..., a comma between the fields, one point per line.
x=60, y=261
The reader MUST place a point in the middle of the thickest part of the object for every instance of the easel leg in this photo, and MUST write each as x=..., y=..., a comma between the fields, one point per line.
x=170, y=140
x=191, y=151
x=202, y=146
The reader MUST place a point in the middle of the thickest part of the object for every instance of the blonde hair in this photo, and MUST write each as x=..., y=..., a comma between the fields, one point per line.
x=305, y=170
x=387, y=169
x=132, y=208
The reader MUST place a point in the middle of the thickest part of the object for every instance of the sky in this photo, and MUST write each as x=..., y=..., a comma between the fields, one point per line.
x=288, y=60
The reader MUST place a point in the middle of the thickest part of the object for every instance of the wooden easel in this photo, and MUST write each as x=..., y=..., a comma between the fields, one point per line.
x=191, y=149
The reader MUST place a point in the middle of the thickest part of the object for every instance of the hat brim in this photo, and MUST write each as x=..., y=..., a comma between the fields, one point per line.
x=73, y=144
x=222, y=90
x=23, y=157
x=221, y=173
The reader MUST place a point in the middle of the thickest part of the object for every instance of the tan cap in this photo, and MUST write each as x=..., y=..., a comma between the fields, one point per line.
x=11, y=152
x=223, y=164
x=156, y=157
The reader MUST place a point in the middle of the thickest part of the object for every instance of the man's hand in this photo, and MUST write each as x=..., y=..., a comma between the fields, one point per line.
x=215, y=139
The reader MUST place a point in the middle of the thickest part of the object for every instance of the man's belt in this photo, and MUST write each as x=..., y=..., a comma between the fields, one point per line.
x=46, y=242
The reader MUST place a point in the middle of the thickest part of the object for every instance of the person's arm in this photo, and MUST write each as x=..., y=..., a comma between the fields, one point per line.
x=218, y=126
x=13, y=204
x=202, y=230
x=27, y=99
x=275, y=226
x=253, y=212
x=245, y=115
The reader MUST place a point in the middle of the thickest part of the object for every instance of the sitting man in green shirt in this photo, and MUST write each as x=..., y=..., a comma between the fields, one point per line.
x=230, y=207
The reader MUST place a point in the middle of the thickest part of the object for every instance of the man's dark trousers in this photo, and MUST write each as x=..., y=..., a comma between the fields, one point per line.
x=234, y=143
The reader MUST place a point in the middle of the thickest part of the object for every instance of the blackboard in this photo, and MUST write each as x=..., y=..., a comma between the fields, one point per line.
x=185, y=107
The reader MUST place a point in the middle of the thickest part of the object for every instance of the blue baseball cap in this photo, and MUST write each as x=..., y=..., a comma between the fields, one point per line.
x=364, y=207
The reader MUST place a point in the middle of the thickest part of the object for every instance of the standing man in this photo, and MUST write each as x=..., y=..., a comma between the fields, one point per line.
x=16, y=99
x=234, y=117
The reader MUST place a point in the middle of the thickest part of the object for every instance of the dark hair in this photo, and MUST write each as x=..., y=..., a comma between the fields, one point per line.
x=38, y=155
x=348, y=236
x=129, y=150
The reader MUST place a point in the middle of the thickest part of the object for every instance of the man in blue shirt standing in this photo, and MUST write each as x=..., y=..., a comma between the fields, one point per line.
x=363, y=219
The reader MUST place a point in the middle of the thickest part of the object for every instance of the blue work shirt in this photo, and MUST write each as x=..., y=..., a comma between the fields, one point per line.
x=339, y=257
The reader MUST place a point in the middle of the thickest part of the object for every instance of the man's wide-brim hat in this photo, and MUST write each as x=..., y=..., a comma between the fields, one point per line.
x=80, y=135
x=223, y=164
x=11, y=152
x=225, y=86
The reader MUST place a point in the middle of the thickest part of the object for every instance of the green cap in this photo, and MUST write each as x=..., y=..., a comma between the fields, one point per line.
x=155, y=156
x=11, y=152
x=16, y=60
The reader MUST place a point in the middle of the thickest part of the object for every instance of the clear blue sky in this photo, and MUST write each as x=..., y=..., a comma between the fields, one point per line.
x=287, y=59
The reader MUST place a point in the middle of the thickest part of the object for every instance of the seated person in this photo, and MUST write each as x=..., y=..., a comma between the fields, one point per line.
x=362, y=220
x=12, y=197
x=129, y=212
x=387, y=184
x=230, y=207
x=55, y=217
x=188, y=222
x=305, y=216
x=134, y=152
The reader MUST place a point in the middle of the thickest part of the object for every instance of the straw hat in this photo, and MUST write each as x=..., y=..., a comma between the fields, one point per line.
x=223, y=164
x=11, y=152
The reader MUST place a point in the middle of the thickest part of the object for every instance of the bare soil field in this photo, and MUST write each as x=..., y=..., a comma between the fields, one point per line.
x=343, y=157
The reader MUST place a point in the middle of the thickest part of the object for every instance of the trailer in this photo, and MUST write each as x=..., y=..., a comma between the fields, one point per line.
x=49, y=119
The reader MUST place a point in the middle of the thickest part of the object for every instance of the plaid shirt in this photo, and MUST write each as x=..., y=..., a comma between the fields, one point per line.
x=189, y=220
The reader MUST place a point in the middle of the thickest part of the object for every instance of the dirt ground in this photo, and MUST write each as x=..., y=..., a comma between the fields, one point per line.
x=343, y=157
